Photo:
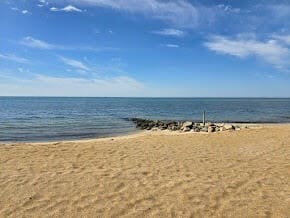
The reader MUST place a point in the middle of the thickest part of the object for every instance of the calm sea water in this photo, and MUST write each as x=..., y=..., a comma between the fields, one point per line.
x=55, y=118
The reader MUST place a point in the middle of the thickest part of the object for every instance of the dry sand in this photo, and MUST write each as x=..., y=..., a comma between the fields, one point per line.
x=228, y=174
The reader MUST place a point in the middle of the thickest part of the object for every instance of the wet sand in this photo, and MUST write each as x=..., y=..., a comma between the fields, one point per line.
x=150, y=174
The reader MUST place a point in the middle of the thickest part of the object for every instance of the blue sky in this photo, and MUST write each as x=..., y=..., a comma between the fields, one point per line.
x=169, y=48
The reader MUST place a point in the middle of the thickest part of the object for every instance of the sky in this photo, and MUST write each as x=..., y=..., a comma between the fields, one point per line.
x=145, y=48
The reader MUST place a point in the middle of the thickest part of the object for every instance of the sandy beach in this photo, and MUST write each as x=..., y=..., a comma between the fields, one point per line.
x=150, y=174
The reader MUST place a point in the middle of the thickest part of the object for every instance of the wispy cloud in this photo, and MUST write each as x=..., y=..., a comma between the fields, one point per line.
x=170, y=32
x=14, y=58
x=171, y=45
x=228, y=8
x=24, y=11
x=78, y=65
x=36, y=43
x=42, y=3
x=176, y=12
x=41, y=44
x=242, y=46
x=282, y=38
x=42, y=85
x=68, y=8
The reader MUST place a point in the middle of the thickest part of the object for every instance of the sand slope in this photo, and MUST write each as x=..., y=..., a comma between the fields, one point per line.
x=228, y=174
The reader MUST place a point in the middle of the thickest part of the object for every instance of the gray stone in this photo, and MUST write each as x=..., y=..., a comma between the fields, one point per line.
x=162, y=127
x=209, y=124
x=186, y=129
x=204, y=129
x=228, y=127
x=211, y=129
x=187, y=124
x=174, y=128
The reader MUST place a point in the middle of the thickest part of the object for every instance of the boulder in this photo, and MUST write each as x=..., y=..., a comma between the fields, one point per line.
x=228, y=127
x=187, y=124
x=209, y=124
x=174, y=128
x=163, y=127
x=211, y=129
x=186, y=129
x=237, y=128
x=204, y=129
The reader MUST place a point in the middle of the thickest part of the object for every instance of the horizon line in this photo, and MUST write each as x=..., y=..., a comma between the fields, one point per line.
x=51, y=96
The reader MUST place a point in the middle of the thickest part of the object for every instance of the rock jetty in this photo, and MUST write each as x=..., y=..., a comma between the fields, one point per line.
x=182, y=126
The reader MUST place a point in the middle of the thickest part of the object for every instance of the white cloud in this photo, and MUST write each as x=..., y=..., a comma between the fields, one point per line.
x=42, y=85
x=228, y=8
x=54, y=9
x=75, y=64
x=171, y=46
x=271, y=50
x=20, y=11
x=176, y=12
x=14, y=9
x=40, y=44
x=14, y=58
x=68, y=8
x=283, y=38
x=22, y=70
x=170, y=32
x=36, y=43
x=24, y=11
x=71, y=8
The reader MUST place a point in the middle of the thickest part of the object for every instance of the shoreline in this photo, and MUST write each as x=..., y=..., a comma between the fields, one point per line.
x=137, y=133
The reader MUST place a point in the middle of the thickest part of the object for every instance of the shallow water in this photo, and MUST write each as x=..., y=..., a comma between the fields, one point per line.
x=58, y=118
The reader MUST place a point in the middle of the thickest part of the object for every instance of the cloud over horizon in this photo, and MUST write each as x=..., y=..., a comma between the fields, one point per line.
x=41, y=85
x=242, y=46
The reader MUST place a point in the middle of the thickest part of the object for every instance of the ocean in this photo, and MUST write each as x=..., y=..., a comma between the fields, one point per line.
x=68, y=118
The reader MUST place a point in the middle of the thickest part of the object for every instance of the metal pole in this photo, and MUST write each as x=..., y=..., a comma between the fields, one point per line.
x=203, y=118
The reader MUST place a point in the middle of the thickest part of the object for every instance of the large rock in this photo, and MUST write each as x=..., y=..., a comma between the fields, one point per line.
x=188, y=124
x=154, y=129
x=211, y=128
x=174, y=128
x=163, y=127
x=237, y=128
x=186, y=129
x=204, y=129
x=209, y=124
x=228, y=127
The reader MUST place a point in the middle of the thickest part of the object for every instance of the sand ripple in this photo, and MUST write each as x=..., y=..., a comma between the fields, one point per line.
x=228, y=174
